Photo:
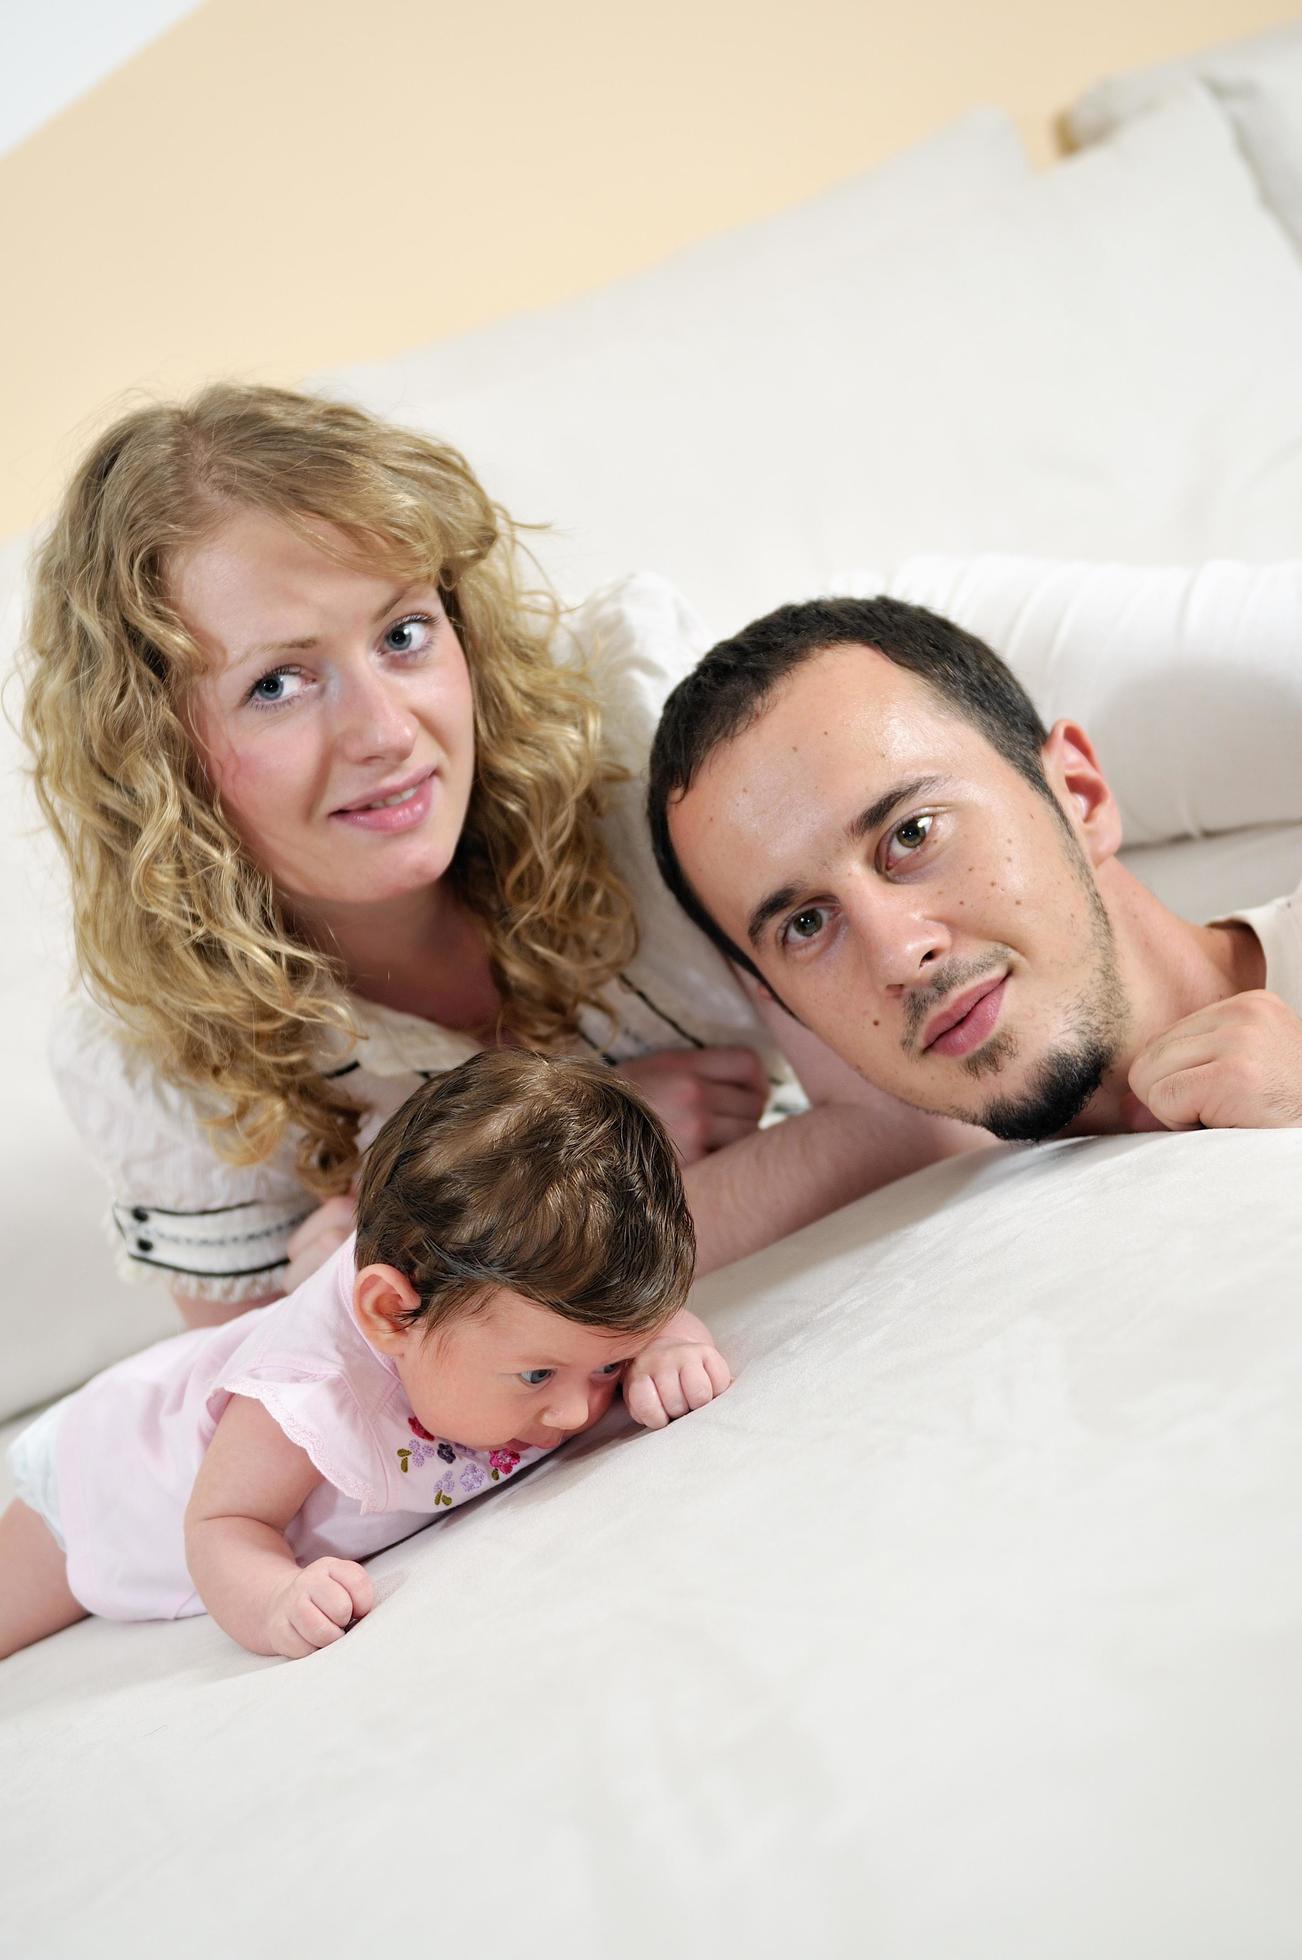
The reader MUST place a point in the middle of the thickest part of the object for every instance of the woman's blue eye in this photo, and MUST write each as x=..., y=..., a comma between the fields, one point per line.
x=270, y=688
x=410, y=635
x=535, y=1377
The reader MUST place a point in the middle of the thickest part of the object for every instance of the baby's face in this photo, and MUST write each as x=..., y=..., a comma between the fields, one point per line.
x=512, y=1373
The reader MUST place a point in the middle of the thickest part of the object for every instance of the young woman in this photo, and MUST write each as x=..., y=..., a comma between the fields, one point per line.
x=342, y=805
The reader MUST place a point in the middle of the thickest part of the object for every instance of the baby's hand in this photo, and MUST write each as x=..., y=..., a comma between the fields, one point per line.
x=680, y=1369
x=316, y=1605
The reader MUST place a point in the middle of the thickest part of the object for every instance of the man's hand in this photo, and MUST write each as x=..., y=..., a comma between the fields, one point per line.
x=680, y=1369
x=1236, y=1065
x=316, y=1605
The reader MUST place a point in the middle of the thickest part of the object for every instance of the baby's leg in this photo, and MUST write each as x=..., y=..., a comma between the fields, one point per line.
x=34, y=1596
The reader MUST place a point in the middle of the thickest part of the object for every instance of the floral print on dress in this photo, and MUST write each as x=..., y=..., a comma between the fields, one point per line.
x=468, y=1470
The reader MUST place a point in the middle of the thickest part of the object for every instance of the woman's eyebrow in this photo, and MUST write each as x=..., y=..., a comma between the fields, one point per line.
x=269, y=647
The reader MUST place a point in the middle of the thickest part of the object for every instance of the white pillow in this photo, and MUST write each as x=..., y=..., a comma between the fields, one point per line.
x=1258, y=83
x=1098, y=361
x=1188, y=681
x=650, y=422
x=63, y=1311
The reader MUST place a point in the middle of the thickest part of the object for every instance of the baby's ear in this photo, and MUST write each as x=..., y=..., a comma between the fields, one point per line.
x=381, y=1296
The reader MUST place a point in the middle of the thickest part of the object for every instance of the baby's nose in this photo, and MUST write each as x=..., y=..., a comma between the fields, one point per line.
x=570, y=1413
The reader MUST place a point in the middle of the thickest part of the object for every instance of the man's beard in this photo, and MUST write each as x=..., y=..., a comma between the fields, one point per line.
x=1069, y=1076
x=1063, y=1084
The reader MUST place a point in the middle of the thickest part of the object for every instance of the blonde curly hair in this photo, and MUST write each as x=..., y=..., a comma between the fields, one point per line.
x=176, y=929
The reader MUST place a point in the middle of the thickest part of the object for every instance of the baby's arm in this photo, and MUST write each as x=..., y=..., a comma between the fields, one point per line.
x=681, y=1369
x=251, y=1483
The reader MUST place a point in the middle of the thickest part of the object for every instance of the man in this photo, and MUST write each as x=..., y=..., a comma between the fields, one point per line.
x=860, y=805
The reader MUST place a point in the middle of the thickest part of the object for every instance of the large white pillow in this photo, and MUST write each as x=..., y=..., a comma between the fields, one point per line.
x=1100, y=361
x=1189, y=681
x=651, y=422
x=63, y=1311
x=1258, y=83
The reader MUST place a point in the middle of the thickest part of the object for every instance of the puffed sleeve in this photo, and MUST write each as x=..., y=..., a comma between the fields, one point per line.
x=178, y=1211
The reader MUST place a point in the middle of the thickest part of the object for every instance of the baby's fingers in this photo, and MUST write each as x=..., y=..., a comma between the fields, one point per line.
x=356, y=1583
x=326, y=1602
x=717, y=1369
x=312, y=1625
x=697, y=1387
x=642, y=1400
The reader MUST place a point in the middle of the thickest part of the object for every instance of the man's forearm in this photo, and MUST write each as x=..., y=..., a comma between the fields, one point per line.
x=783, y=1177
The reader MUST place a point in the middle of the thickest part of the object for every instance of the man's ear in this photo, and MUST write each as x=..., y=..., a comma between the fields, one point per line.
x=381, y=1295
x=1081, y=788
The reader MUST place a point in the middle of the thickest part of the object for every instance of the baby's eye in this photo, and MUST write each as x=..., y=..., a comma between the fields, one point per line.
x=612, y=1368
x=410, y=635
x=535, y=1377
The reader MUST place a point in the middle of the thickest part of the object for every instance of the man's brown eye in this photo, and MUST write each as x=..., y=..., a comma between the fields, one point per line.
x=806, y=924
x=913, y=833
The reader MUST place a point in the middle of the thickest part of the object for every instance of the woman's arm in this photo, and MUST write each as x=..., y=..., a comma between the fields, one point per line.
x=322, y=1232
x=196, y=1312
x=251, y=1483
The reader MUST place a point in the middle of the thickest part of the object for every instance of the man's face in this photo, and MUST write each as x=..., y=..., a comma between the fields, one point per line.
x=909, y=896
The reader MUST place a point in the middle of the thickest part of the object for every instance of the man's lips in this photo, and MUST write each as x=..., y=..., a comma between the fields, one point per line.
x=967, y=1020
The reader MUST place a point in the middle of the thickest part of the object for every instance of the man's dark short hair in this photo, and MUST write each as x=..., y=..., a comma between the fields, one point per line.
x=733, y=683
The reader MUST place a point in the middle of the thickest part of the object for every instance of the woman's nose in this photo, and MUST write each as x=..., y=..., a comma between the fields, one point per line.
x=374, y=719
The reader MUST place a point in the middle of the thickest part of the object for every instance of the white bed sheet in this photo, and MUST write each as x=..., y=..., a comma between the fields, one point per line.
x=966, y=1624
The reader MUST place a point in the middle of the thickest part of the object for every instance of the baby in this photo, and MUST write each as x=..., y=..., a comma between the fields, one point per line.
x=523, y=1249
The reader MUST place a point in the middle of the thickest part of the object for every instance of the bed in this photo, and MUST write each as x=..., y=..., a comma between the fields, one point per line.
x=969, y=1622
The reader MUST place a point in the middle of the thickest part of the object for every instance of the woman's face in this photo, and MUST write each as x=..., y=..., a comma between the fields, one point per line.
x=335, y=714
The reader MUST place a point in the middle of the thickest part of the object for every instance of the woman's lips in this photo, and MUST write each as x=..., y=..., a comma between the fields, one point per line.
x=976, y=1026
x=390, y=818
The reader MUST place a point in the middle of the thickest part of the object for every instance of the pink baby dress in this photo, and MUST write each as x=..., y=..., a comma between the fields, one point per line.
x=130, y=1443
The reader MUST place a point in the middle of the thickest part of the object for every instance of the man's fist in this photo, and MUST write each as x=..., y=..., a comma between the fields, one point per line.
x=1236, y=1065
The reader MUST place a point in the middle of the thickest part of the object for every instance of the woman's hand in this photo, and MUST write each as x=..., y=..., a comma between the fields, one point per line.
x=705, y=1097
x=322, y=1232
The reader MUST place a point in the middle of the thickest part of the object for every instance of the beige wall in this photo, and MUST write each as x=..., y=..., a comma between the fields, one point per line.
x=278, y=185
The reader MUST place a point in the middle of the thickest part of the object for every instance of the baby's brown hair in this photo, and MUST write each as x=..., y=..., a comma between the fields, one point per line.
x=542, y=1174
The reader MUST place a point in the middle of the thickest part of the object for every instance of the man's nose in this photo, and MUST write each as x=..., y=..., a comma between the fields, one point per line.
x=900, y=932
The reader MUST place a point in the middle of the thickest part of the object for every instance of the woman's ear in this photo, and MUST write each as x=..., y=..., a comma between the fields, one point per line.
x=1081, y=788
x=381, y=1296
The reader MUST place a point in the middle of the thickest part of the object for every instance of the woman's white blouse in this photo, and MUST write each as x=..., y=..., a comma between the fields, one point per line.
x=220, y=1231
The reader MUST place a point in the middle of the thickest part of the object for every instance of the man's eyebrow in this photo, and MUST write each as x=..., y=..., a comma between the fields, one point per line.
x=767, y=908
x=310, y=640
x=858, y=827
x=876, y=813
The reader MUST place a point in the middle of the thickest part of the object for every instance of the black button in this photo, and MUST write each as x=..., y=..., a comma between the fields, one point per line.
x=144, y=1245
x=138, y=1211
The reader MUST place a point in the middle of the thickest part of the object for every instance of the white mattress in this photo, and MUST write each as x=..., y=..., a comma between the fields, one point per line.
x=966, y=1624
